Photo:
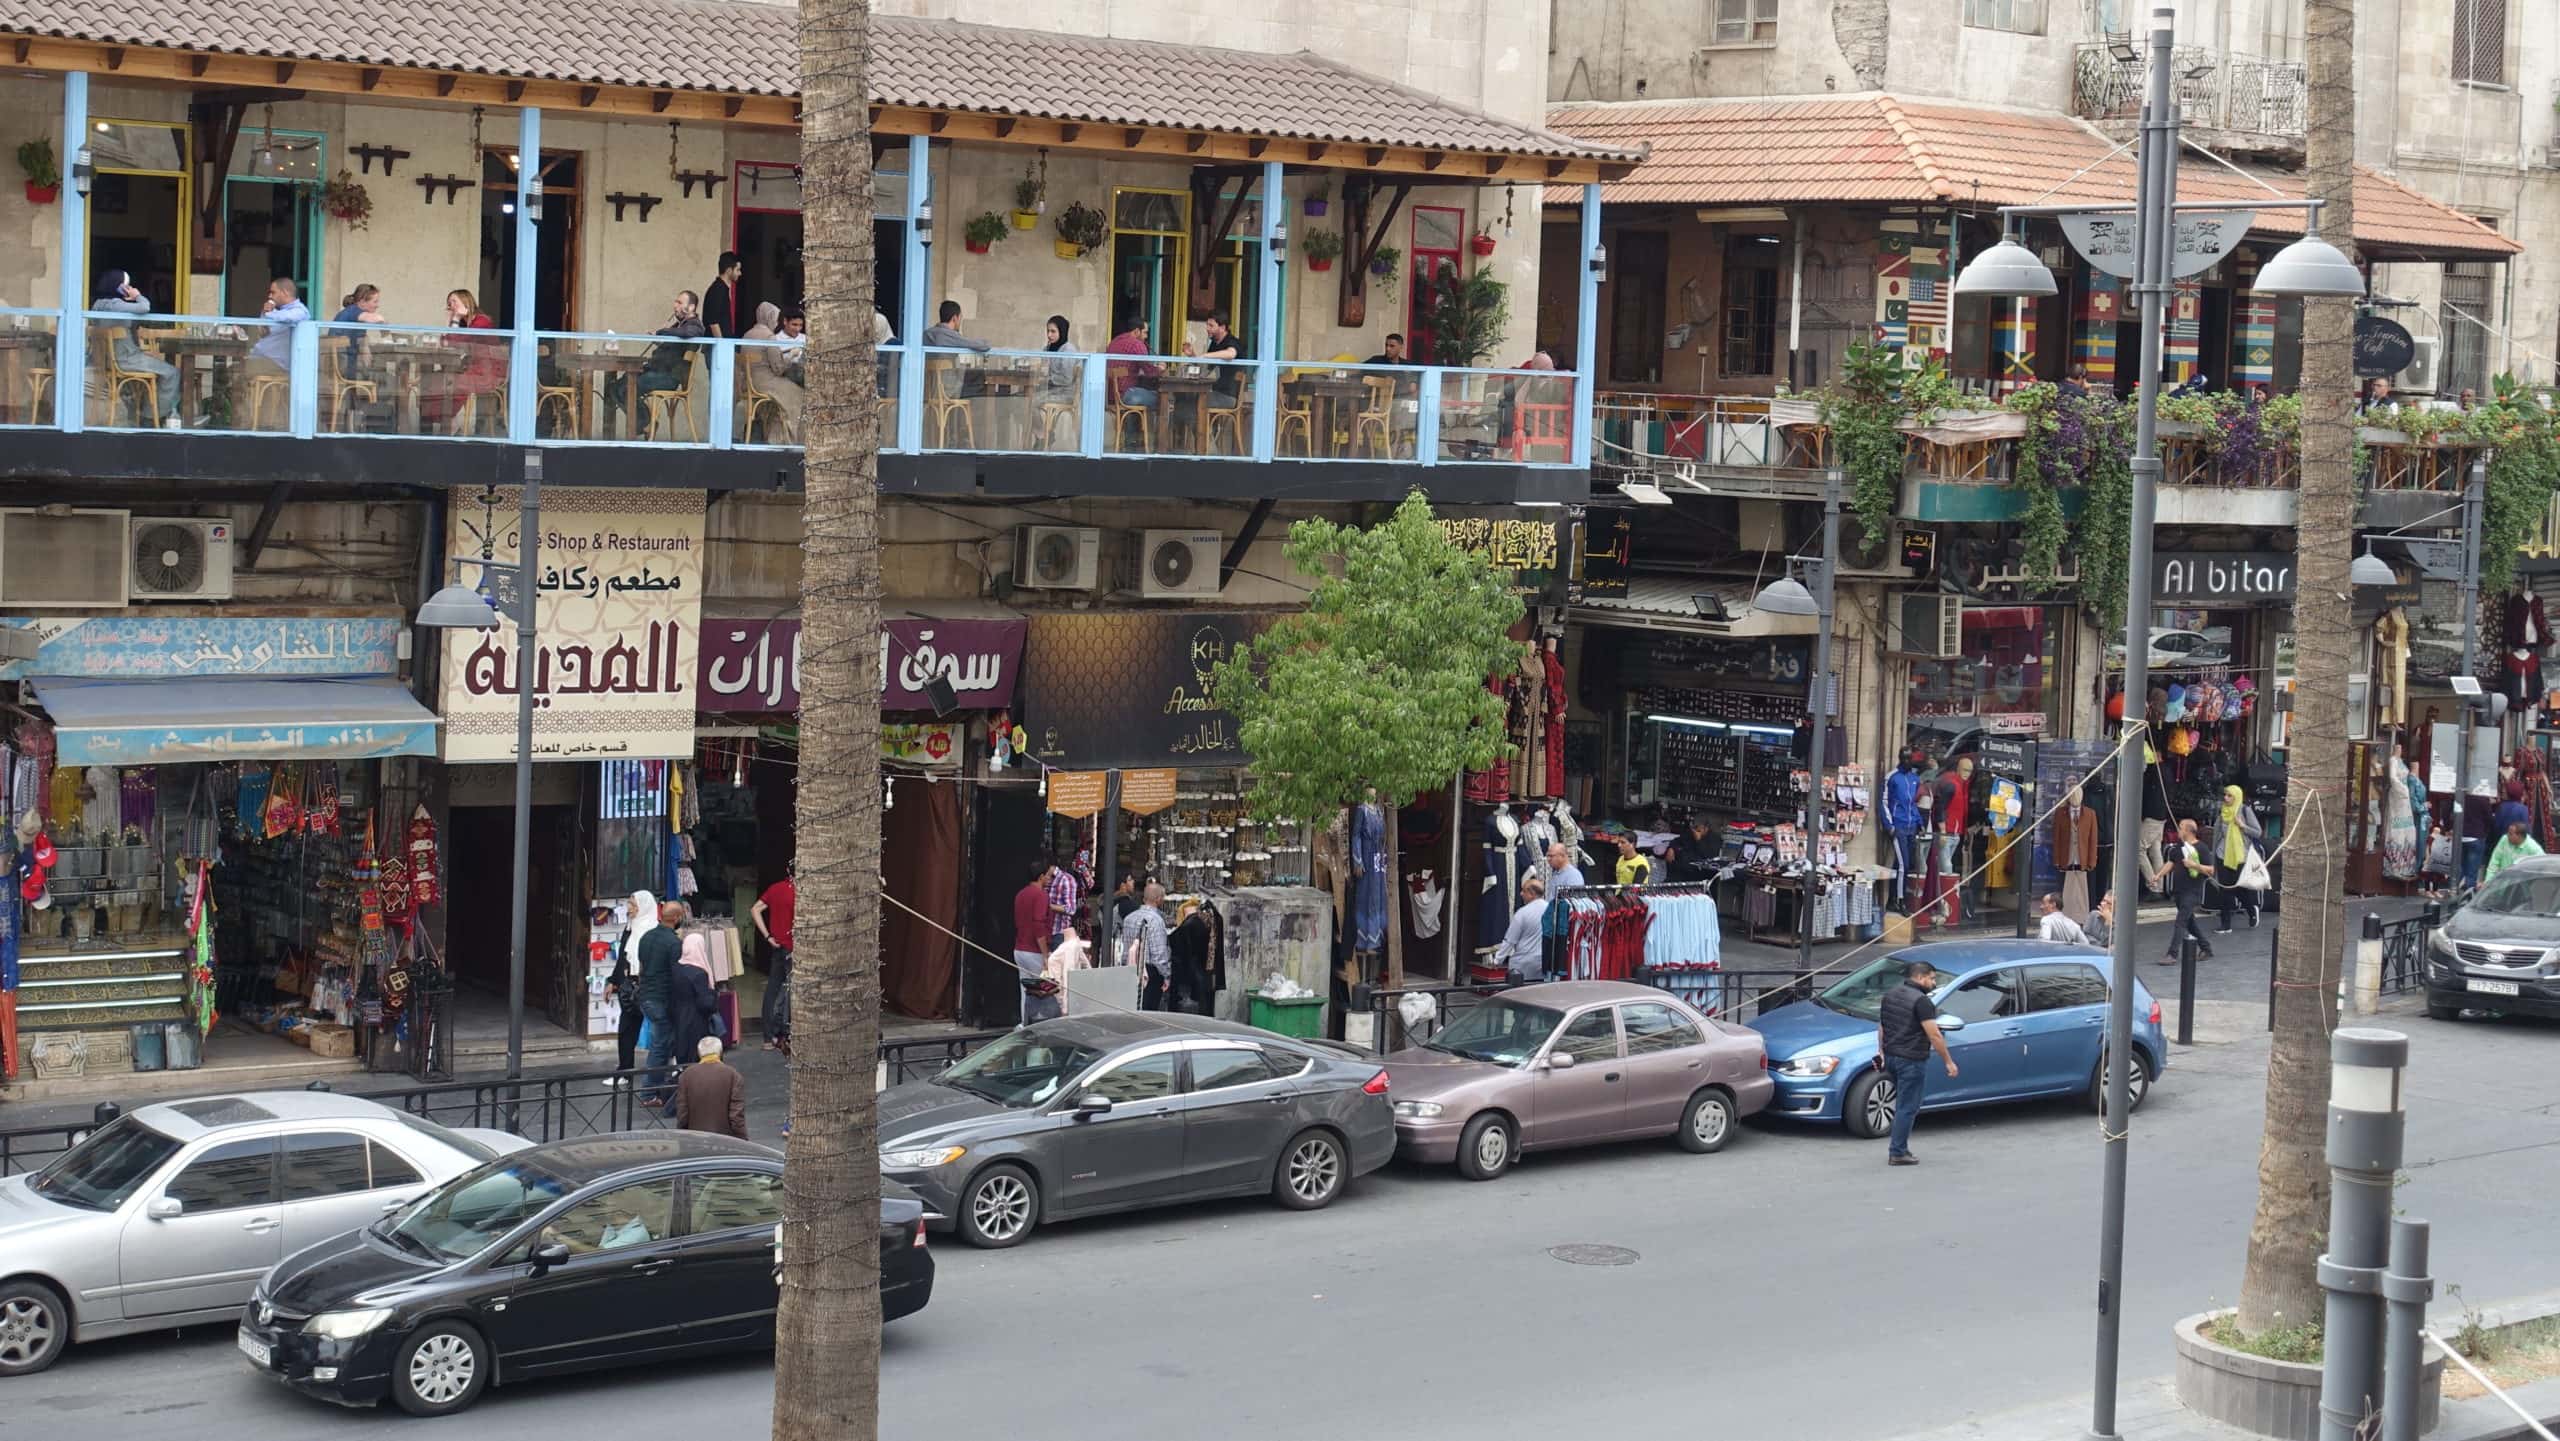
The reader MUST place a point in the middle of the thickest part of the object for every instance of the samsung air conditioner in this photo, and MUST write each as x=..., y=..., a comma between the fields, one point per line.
x=181, y=558
x=2418, y=377
x=1179, y=564
x=64, y=557
x=1930, y=624
x=1056, y=557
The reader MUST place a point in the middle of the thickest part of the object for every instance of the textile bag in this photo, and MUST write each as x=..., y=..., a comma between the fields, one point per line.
x=648, y=1029
x=2440, y=854
x=2253, y=871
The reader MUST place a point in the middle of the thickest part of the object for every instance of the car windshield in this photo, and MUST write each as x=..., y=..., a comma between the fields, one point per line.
x=465, y=1215
x=1506, y=1033
x=2521, y=893
x=1024, y=1069
x=1861, y=993
x=447, y=1136
x=110, y=1164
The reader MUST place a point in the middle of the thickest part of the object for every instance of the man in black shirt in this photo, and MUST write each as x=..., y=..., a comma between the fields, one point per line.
x=1223, y=345
x=1694, y=853
x=720, y=300
x=1906, y=1034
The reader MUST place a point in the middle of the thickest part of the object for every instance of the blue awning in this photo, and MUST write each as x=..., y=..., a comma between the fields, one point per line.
x=209, y=718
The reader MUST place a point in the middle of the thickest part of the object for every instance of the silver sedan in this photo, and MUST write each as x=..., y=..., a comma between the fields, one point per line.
x=168, y=1216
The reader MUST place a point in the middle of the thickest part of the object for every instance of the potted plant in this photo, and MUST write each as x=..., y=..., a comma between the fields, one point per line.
x=345, y=199
x=1386, y=267
x=1027, y=204
x=1318, y=198
x=983, y=231
x=44, y=173
x=1481, y=243
x=1323, y=248
x=1080, y=229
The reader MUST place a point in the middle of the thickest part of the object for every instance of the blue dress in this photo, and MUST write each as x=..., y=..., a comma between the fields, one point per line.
x=1369, y=883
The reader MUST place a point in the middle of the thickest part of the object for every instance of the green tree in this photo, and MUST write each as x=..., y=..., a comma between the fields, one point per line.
x=1380, y=682
x=1467, y=313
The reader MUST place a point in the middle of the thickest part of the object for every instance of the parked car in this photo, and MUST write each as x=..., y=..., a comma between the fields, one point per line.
x=2172, y=649
x=626, y=1249
x=168, y=1216
x=2022, y=1018
x=2501, y=952
x=1571, y=1063
x=1085, y=1115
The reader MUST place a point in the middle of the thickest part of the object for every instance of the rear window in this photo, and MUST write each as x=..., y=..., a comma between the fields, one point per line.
x=445, y=1135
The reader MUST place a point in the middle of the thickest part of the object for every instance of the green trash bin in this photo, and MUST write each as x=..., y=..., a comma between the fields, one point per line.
x=1303, y=1017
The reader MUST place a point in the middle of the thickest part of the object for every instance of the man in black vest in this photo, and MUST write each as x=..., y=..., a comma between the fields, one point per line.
x=1906, y=1034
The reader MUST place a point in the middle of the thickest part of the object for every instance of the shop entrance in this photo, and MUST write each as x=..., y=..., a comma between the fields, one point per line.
x=481, y=853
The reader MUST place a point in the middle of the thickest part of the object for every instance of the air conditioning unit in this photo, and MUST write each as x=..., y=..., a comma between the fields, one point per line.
x=2419, y=375
x=1179, y=564
x=1056, y=557
x=181, y=558
x=1931, y=624
x=65, y=557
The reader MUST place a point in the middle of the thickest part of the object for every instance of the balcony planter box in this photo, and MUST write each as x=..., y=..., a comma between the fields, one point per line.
x=1316, y=207
x=42, y=194
x=1067, y=249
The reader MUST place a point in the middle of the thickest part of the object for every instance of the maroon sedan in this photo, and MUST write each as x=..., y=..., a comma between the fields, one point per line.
x=1539, y=1068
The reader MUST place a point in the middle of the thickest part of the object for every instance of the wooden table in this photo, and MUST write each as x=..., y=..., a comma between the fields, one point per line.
x=584, y=368
x=20, y=352
x=997, y=380
x=404, y=360
x=207, y=353
x=1326, y=396
x=1197, y=387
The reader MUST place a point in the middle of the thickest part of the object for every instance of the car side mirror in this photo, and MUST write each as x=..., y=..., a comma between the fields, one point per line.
x=392, y=1208
x=165, y=1208
x=1088, y=1107
x=549, y=1255
x=1560, y=1060
x=1947, y=1025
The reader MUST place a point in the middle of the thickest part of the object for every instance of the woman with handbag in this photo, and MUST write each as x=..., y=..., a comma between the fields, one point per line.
x=2236, y=835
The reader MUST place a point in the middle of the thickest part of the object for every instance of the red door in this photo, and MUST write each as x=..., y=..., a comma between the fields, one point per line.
x=1438, y=232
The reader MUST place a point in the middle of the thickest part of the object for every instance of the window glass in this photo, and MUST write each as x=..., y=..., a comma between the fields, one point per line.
x=1746, y=22
x=1212, y=1069
x=235, y=1173
x=109, y=1165
x=1144, y=1079
x=1591, y=1036
x=2062, y=987
x=621, y=1218
x=390, y=1170
x=2023, y=17
x=731, y=1199
x=474, y=1209
x=324, y=1163
x=1985, y=998
x=476, y=1150
x=1652, y=1026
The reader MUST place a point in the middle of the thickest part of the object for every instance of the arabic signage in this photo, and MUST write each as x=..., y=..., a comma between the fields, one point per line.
x=148, y=646
x=1131, y=688
x=1076, y=794
x=754, y=665
x=1534, y=553
x=172, y=745
x=1143, y=793
x=2213, y=577
x=935, y=745
x=1603, y=559
x=2198, y=241
x=618, y=578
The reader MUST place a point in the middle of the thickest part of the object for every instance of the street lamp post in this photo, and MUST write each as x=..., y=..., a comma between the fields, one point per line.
x=1787, y=596
x=2307, y=267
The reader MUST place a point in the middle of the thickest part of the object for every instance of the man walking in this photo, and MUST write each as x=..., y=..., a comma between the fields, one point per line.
x=659, y=951
x=712, y=1096
x=1154, y=945
x=1031, y=946
x=2184, y=875
x=1065, y=894
x=1906, y=1036
x=1561, y=871
x=772, y=914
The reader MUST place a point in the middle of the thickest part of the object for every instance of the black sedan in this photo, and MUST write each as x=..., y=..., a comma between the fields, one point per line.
x=604, y=1251
x=1085, y=1115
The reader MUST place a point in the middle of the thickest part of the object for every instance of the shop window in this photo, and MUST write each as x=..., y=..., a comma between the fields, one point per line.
x=1751, y=306
x=2022, y=17
x=1746, y=22
x=2465, y=328
x=1639, y=271
x=2480, y=41
x=1151, y=263
x=1997, y=683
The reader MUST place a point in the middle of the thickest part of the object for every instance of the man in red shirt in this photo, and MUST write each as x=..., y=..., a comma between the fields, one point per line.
x=772, y=915
x=1031, y=946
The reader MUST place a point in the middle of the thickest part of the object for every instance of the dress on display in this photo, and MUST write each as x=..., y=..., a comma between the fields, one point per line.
x=1506, y=860
x=2399, y=826
x=1369, y=877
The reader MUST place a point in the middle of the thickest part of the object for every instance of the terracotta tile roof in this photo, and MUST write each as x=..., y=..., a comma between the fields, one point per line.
x=754, y=49
x=1887, y=149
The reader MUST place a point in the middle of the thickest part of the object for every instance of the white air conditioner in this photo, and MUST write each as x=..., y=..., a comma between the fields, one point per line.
x=2419, y=375
x=1179, y=564
x=65, y=557
x=1931, y=625
x=181, y=558
x=1056, y=557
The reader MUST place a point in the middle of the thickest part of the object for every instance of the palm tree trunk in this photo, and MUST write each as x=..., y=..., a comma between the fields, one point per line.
x=826, y=1384
x=2279, y=1286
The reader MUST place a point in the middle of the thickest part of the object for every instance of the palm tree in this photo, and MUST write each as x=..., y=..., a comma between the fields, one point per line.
x=826, y=1384
x=2280, y=1286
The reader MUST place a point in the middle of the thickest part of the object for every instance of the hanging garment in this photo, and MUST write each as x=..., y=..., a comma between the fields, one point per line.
x=1427, y=895
x=1368, y=877
x=1555, y=722
x=102, y=805
x=138, y=798
x=2400, y=824
x=1506, y=860
x=64, y=805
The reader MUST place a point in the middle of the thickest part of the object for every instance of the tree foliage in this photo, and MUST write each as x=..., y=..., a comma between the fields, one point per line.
x=1380, y=681
x=1467, y=314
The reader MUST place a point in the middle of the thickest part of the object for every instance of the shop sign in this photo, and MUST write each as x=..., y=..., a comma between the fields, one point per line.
x=372, y=740
x=1131, y=688
x=754, y=665
x=618, y=585
x=933, y=745
x=1533, y=553
x=1604, y=556
x=1145, y=792
x=2441, y=559
x=2022, y=723
x=2383, y=346
x=2197, y=242
x=1076, y=794
x=2212, y=577
x=172, y=646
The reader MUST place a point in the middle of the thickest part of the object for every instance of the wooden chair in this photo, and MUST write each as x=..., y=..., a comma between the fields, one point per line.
x=666, y=407
x=39, y=380
x=143, y=382
x=1297, y=413
x=944, y=403
x=333, y=356
x=1377, y=418
x=754, y=402
x=1234, y=418
x=1051, y=412
x=266, y=388
x=1122, y=414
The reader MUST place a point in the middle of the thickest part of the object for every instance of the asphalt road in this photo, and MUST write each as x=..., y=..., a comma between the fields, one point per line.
x=1791, y=1285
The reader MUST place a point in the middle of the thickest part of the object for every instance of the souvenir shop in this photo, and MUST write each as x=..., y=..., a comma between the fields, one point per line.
x=1969, y=727
x=221, y=865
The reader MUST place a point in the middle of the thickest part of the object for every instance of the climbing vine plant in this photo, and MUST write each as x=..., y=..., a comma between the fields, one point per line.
x=2042, y=469
x=1863, y=410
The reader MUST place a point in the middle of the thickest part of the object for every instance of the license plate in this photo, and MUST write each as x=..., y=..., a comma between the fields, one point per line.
x=2495, y=988
x=257, y=1350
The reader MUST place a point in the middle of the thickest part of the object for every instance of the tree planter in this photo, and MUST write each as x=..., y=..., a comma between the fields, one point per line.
x=2268, y=1398
x=42, y=194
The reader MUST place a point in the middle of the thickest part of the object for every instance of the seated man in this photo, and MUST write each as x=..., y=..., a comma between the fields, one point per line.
x=1224, y=346
x=1132, y=383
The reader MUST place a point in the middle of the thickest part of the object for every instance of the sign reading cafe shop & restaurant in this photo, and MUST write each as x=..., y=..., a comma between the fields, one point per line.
x=618, y=585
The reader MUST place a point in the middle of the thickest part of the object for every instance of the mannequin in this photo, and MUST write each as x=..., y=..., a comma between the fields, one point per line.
x=1506, y=860
x=1369, y=874
x=2075, y=852
x=2525, y=634
x=1903, y=818
x=1951, y=809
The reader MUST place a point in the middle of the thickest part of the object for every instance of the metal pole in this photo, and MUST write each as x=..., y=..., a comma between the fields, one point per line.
x=2366, y=1130
x=2472, y=494
x=1449, y=893
x=2187, y=989
x=1818, y=757
x=1106, y=918
x=2406, y=1290
x=2157, y=191
x=528, y=554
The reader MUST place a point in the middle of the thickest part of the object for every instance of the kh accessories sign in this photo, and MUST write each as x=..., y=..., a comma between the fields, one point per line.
x=618, y=602
x=754, y=665
x=1131, y=688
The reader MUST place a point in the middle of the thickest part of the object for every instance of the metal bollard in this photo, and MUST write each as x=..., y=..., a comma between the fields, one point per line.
x=2364, y=991
x=2366, y=1131
x=2187, y=990
x=2406, y=1290
x=104, y=1113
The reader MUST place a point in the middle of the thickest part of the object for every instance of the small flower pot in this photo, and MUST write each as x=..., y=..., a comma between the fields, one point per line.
x=1482, y=245
x=1067, y=249
x=1314, y=263
x=1026, y=220
x=1316, y=207
x=42, y=194
x=977, y=247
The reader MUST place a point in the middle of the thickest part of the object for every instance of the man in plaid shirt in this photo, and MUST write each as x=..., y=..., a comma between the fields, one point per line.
x=1064, y=896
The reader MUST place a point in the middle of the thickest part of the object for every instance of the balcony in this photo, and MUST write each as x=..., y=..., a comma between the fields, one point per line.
x=1739, y=445
x=2231, y=102
x=229, y=399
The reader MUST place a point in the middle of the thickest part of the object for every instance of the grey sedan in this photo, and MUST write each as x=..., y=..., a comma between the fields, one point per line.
x=168, y=1216
x=1086, y=1115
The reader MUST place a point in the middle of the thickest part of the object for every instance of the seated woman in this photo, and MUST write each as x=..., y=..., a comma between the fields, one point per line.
x=457, y=398
x=776, y=370
x=1061, y=383
x=116, y=292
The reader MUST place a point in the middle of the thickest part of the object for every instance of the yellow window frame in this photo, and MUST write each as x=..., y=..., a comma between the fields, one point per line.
x=1181, y=239
x=186, y=179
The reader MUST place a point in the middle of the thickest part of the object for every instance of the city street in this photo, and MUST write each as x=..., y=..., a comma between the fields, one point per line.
x=1790, y=1285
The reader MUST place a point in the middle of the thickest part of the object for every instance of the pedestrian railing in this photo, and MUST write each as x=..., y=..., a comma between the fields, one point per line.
x=921, y=1058
x=1388, y=1029
x=2404, y=950
x=1729, y=995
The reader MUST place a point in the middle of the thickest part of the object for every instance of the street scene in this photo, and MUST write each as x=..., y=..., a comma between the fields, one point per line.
x=775, y=714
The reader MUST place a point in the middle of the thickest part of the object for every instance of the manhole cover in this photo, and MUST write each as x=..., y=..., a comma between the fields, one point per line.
x=1589, y=1255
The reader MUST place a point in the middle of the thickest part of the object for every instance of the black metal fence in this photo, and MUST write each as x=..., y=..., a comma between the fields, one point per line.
x=2404, y=949
x=921, y=1058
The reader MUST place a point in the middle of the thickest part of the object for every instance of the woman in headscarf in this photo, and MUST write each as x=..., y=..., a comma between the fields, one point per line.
x=116, y=292
x=1061, y=380
x=2235, y=830
x=694, y=1008
x=775, y=368
x=624, y=985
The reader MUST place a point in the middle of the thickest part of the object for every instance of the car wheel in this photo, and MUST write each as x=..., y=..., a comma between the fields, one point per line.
x=34, y=1327
x=1486, y=1148
x=1868, y=1108
x=999, y=1208
x=439, y=1370
x=1313, y=1170
x=1708, y=1123
x=2138, y=1085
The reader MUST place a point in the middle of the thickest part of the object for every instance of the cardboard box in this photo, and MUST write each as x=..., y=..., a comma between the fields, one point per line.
x=329, y=1040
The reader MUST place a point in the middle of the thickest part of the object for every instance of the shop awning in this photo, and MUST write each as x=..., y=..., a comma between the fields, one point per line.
x=1654, y=602
x=207, y=718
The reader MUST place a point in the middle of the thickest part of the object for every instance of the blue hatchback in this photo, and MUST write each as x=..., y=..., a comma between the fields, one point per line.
x=2021, y=1018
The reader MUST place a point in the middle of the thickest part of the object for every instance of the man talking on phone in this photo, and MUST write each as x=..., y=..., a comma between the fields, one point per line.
x=1906, y=1036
